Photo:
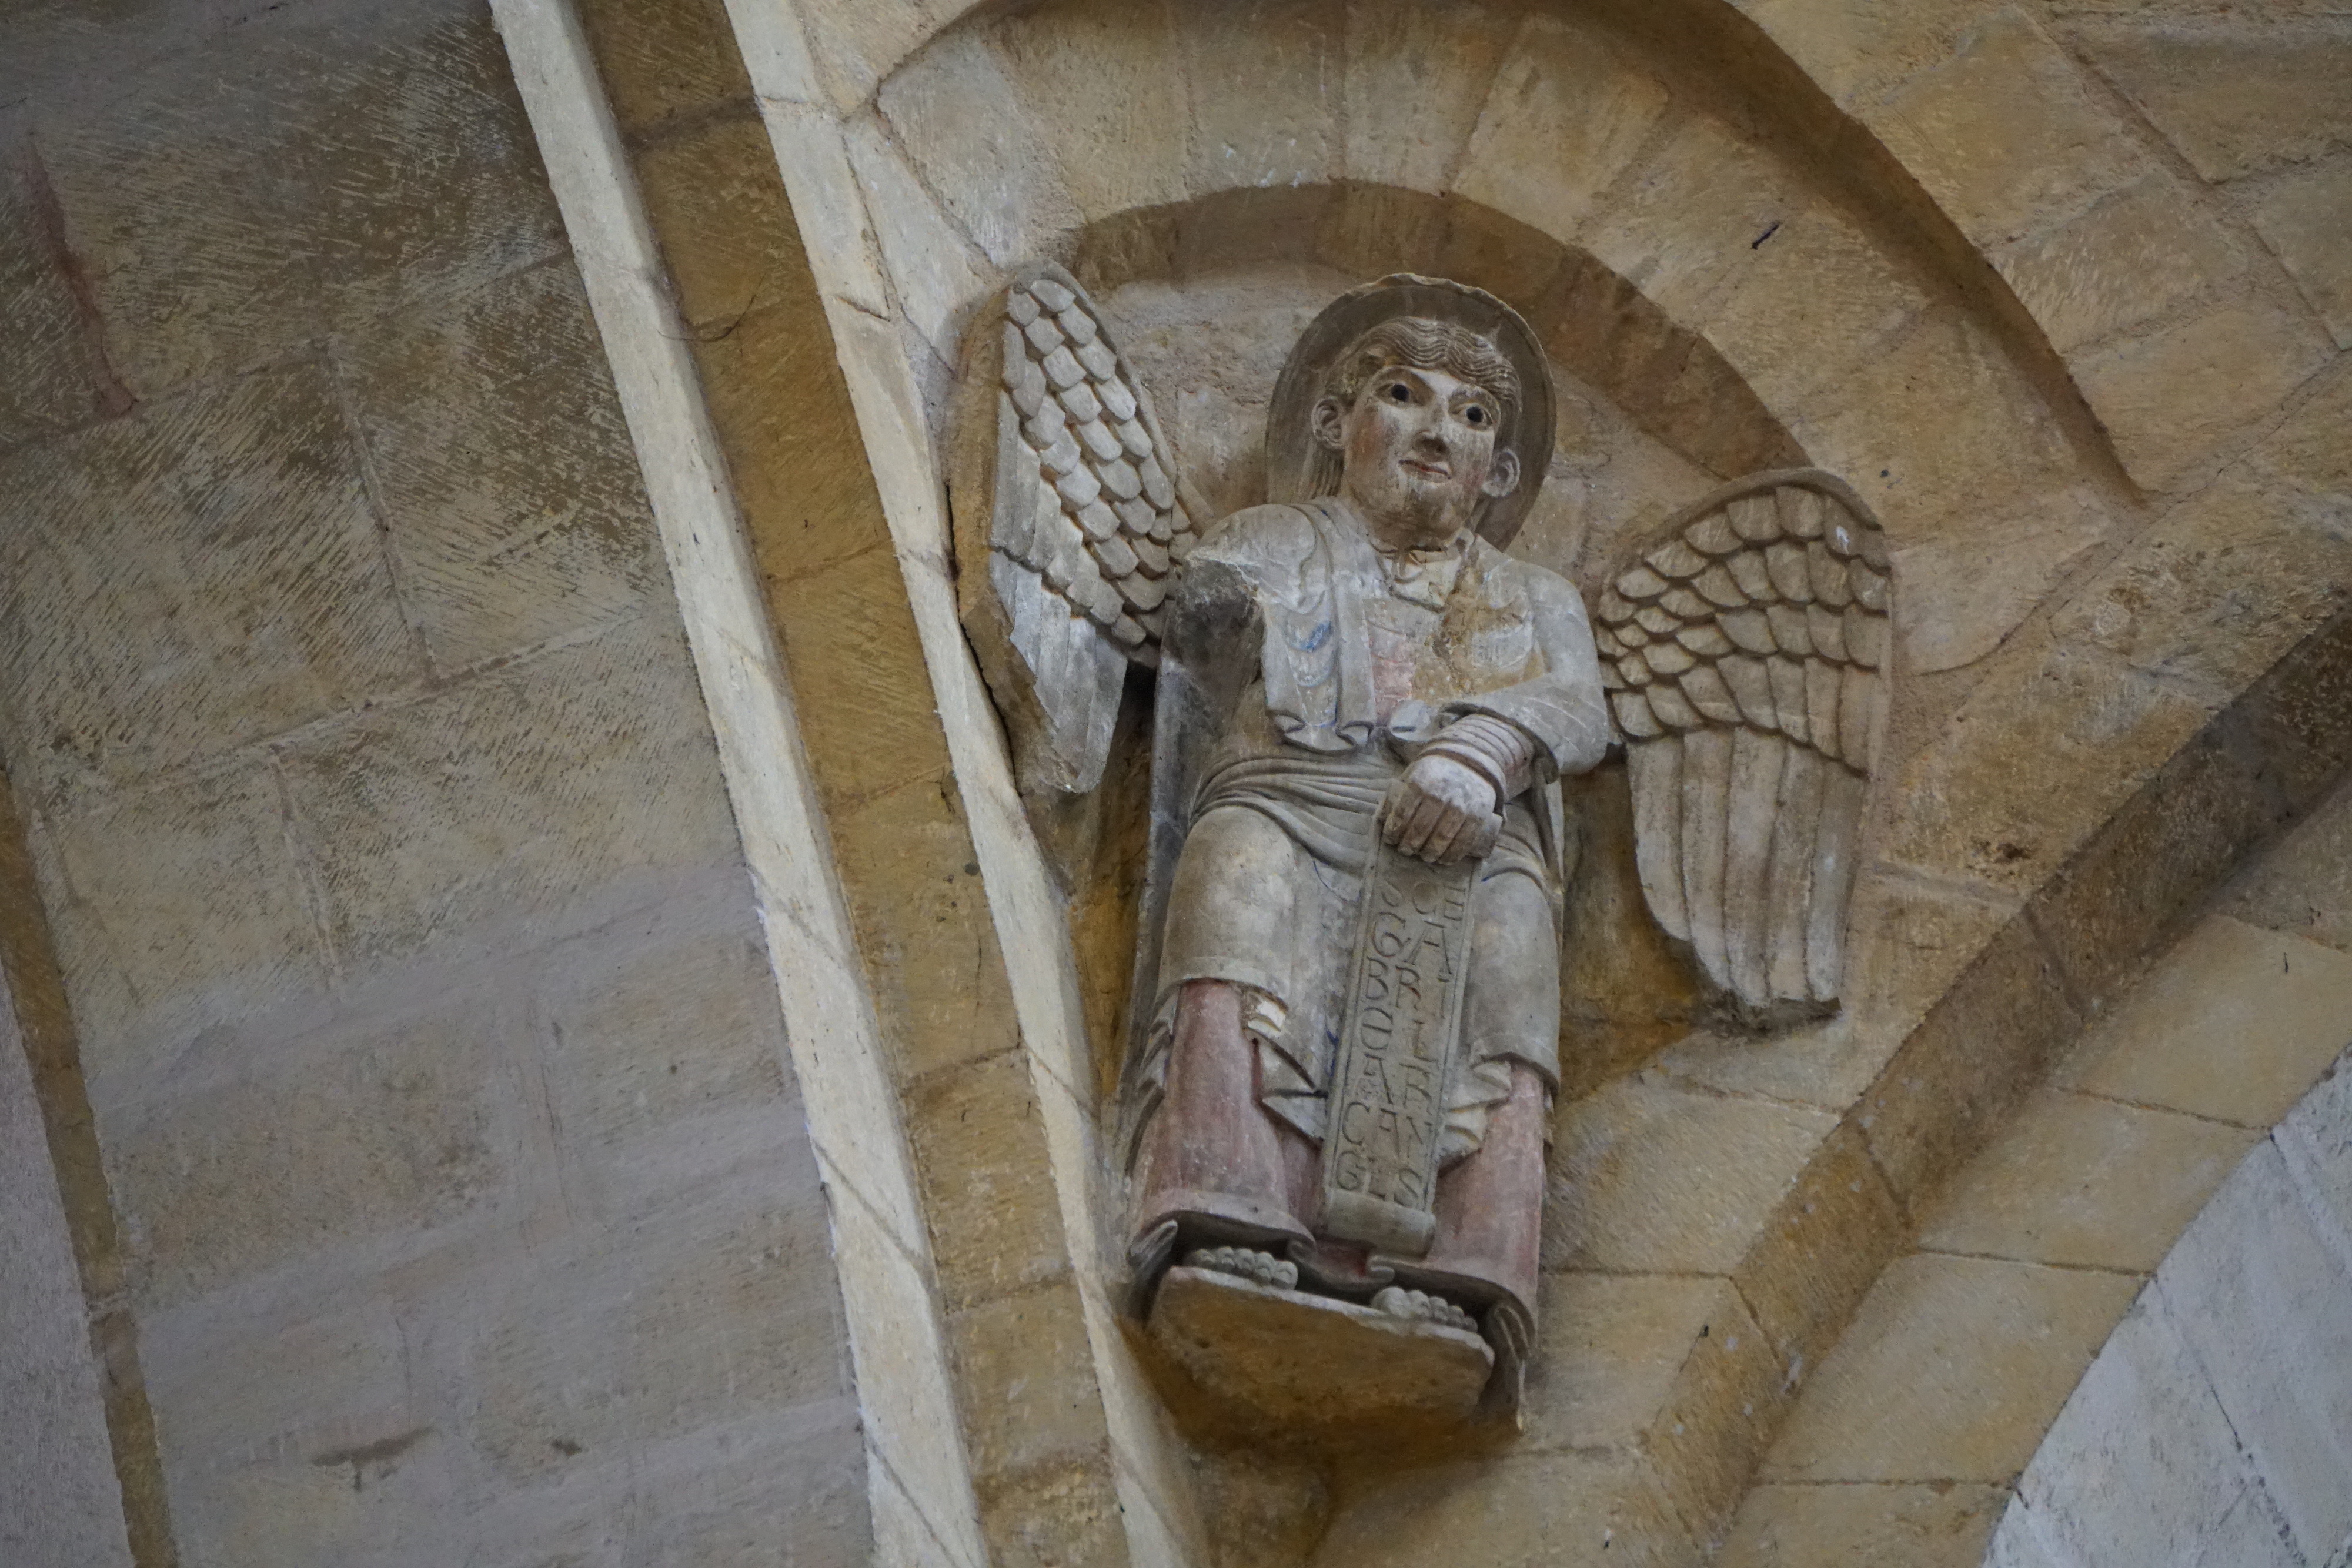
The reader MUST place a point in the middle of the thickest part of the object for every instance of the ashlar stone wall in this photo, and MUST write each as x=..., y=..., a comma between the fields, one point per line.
x=2085, y=1297
x=2104, y=445
x=400, y=1021
x=436, y=1084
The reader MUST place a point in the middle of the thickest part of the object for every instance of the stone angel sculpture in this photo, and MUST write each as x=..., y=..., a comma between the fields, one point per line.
x=1337, y=1092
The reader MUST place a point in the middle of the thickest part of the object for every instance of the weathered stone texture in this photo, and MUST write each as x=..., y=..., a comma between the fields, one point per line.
x=59, y=1450
x=1086, y=74
x=1608, y=1349
x=2083, y=1182
x=2142, y=1400
x=2199, y=85
x=58, y=371
x=663, y=1059
x=727, y=234
x=1269, y=114
x=2282, y=1001
x=2138, y=252
x=2307, y=887
x=235, y=200
x=661, y=60
x=1513, y=1512
x=1815, y=1259
x=956, y=113
x=1863, y=1526
x=467, y=1207
x=184, y=908
x=1811, y=298
x=586, y=1354
x=2307, y=221
x=1984, y=1353
x=532, y=787
x=1650, y=1176
x=1563, y=120
x=1409, y=119
x=203, y=574
x=2261, y=1291
x=935, y=271
x=509, y=495
x=2211, y=1427
x=2217, y=588
x=1985, y=573
x=2173, y=398
x=2005, y=135
x=1962, y=1070
x=380, y=1130
x=2076, y=728
x=997, y=1223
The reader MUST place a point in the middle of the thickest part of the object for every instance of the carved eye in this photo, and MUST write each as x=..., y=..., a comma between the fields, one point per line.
x=1474, y=415
x=1400, y=393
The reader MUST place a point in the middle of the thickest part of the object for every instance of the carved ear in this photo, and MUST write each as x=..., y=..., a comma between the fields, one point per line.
x=1504, y=477
x=1330, y=423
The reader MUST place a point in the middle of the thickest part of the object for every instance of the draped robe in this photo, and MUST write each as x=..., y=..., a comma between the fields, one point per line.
x=1320, y=680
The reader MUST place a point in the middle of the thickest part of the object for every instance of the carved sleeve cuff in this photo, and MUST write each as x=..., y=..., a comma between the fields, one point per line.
x=1495, y=748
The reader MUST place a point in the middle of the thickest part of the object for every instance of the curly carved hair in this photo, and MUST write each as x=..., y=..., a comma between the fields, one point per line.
x=1424, y=345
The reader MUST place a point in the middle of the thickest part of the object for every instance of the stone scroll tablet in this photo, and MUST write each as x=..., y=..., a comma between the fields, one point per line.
x=1402, y=1019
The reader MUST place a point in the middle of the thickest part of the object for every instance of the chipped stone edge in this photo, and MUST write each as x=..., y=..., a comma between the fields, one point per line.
x=915, y=1453
x=1031, y=922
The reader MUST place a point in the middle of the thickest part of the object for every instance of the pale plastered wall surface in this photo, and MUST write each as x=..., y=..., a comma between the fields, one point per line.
x=424, y=1013
x=2216, y=1425
x=59, y=1500
x=2103, y=1228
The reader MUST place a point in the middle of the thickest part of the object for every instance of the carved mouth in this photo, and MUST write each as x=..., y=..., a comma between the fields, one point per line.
x=1434, y=470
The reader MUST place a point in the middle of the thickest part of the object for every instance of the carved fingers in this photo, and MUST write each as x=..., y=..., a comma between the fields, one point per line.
x=1441, y=811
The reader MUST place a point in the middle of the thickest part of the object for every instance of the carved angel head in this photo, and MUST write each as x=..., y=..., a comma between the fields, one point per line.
x=1437, y=330
x=1407, y=426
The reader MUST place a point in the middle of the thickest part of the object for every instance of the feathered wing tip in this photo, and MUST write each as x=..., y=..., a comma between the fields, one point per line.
x=1745, y=660
x=1067, y=495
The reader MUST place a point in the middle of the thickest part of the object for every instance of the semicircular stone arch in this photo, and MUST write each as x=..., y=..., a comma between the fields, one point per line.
x=2123, y=1331
x=2216, y=1425
x=2072, y=634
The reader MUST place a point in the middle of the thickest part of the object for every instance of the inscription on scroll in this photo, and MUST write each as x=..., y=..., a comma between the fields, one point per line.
x=1401, y=1021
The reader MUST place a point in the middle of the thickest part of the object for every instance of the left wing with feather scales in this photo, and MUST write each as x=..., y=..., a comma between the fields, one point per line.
x=1068, y=523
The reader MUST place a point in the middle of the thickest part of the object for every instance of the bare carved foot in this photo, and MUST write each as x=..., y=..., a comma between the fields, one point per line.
x=1421, y=1306
x=1247, y=1263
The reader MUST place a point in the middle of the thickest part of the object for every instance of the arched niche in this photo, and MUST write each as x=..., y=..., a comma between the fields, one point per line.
x=1206, y=296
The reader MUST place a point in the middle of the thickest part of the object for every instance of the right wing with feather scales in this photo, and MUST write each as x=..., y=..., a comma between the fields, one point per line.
x=1068, y=525
x=1745, y=660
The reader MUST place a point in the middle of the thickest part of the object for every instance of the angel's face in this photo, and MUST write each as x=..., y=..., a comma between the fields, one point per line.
x=1417, y=453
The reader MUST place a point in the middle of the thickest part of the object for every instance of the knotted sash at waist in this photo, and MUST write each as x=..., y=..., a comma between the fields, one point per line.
x=1325, y=803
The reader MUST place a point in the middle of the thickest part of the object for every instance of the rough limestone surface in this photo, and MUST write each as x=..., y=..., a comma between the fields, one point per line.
x=424, y=1022
x=2182, y=1179
x=63, y=1503
x=425, y=1025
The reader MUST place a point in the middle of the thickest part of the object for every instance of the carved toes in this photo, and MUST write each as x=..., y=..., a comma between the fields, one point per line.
x=1420, y=1306
x=1247, y=1262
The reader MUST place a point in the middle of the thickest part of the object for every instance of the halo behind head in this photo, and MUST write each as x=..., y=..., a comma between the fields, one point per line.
x=1295, y=469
